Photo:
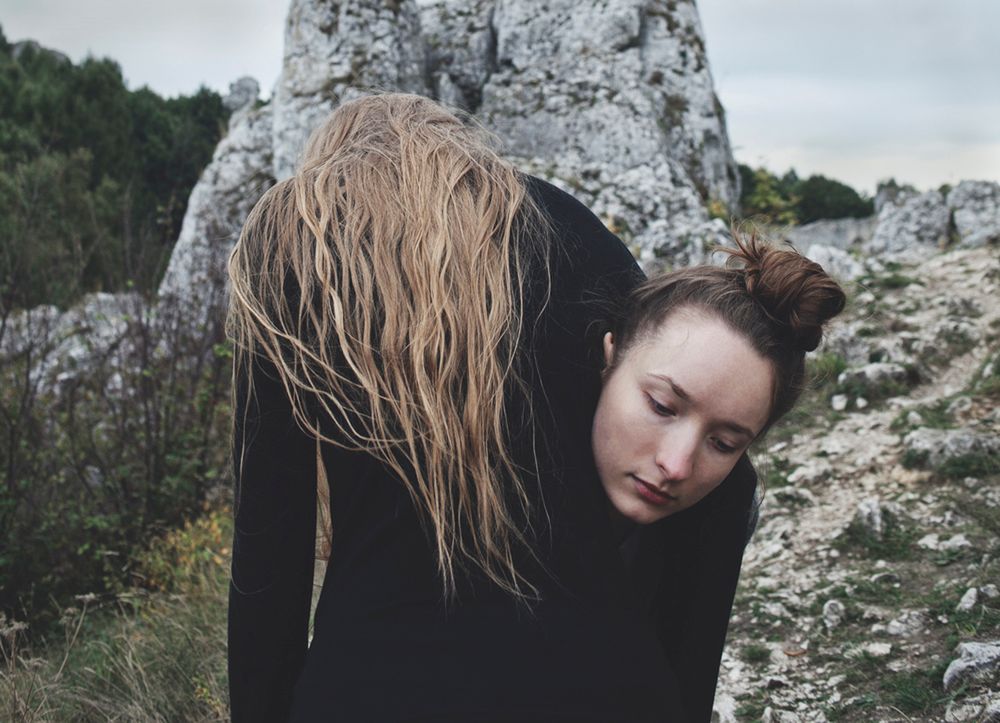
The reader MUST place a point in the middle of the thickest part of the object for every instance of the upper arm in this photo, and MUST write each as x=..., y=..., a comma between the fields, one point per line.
x=274, y=463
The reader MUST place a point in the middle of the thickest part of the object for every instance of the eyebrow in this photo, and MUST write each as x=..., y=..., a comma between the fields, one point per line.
x=680, y=392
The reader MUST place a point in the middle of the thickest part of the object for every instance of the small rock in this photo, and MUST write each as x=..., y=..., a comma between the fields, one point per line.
x=956, y=542
x=980, y=709
x=838, y=402
x=914, y=418
x=885, y=578
x=860, y=402
x=975, y=661
x=938, y=446
x=878, y=650
x=989, y=591
x=874, y=515
x=968, y=601
x=909, y=623
x=833, y=613
x=929, y=542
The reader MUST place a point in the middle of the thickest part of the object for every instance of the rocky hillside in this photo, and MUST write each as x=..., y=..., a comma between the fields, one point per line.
x=870, y=589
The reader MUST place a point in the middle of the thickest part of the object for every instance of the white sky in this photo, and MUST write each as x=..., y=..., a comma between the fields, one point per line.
x=858, y=90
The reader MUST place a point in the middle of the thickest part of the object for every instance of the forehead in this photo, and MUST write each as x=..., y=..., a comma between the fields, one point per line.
x=715, y=365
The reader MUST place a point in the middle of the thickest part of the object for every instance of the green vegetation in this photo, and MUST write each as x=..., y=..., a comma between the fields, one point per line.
x=895, y=542
x=788, y=200
x=754, y=653
x=114, y=469
x=94, y=178
x=138, y=655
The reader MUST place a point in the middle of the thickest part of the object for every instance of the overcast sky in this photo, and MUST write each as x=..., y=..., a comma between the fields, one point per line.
x=858, y=90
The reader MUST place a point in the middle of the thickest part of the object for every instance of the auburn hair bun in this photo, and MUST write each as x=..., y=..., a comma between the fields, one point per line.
x=794, y=291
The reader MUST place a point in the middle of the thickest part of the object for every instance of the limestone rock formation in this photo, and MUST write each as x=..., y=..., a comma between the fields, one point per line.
x=333, y=51
x=975, y=208
x=915, y=228
x=240, y=171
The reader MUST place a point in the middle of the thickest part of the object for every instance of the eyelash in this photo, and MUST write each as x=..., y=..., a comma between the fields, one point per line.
x=660, y=409
x=665, y=411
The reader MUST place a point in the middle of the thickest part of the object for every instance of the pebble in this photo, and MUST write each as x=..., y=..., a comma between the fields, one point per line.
x=968, y=601
x=838, y=402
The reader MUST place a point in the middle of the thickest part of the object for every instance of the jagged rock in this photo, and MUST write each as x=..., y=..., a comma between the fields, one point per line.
x=968, y=601
x=911, y=230
x=874, y=516
x=874, y=650
x=837, y=233
x=955, y=542
x=332, y=52
x=813, y=470
x=243, y=92
x=908, y=624
x=68, y=344
x=976, y=662
x=617, y=83
x=975, y=208
x=833, y=613
x=219, y=203
x=934, y=447
x=836, y=262
x=891, y=193
x=983, y=708
x=461, y=49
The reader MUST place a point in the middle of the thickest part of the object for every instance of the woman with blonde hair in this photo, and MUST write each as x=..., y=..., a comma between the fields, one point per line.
x=411, y=312
x=523, y=528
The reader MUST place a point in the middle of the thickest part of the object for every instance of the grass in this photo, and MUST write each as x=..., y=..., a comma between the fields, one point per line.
x=755, y=654
x=934, y=415
x=145, y=656
x=895, y=543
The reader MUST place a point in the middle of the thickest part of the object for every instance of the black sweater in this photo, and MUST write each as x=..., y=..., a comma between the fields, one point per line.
x=384, y=648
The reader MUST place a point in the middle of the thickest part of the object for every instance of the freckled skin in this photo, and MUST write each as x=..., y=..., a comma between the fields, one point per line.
x=658, y=452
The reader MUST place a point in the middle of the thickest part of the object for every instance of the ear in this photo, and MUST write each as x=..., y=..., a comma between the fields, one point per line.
x=609, y=350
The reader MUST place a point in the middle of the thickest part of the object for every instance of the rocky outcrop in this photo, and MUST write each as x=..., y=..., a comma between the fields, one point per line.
x=334, y=51
x=975, y=209
x=913, y=229
x=237, y=175
x=613, y=101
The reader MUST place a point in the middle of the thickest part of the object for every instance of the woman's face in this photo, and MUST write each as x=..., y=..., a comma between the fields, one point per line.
x=675, y=414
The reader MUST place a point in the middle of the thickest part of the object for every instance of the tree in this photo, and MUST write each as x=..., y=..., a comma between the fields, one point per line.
x=821, y=197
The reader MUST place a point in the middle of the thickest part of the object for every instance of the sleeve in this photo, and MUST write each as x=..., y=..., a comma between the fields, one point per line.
x=273, y=548
x=702, y=553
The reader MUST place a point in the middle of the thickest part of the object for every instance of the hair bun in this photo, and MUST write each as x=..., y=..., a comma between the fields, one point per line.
x=795, y=291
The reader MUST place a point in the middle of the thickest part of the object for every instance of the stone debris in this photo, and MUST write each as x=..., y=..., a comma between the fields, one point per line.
x=968, y=601
x=976, y=661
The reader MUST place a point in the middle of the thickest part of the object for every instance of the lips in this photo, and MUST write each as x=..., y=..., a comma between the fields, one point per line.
x=651, y=494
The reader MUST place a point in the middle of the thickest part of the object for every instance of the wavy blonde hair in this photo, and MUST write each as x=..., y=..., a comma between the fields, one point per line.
x=385, y=281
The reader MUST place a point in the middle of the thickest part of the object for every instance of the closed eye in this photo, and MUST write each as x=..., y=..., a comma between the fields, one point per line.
x=660, y=409
x=723, y=447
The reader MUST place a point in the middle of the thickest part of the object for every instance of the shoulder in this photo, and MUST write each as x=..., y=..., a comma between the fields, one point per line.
x=580, y=235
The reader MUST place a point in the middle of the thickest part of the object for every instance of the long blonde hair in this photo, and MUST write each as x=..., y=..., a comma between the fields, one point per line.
x=385, y=282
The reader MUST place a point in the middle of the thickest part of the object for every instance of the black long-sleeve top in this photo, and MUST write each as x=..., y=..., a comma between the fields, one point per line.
x=599, y=645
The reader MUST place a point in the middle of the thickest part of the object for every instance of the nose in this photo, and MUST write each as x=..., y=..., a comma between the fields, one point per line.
x=675, y=456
